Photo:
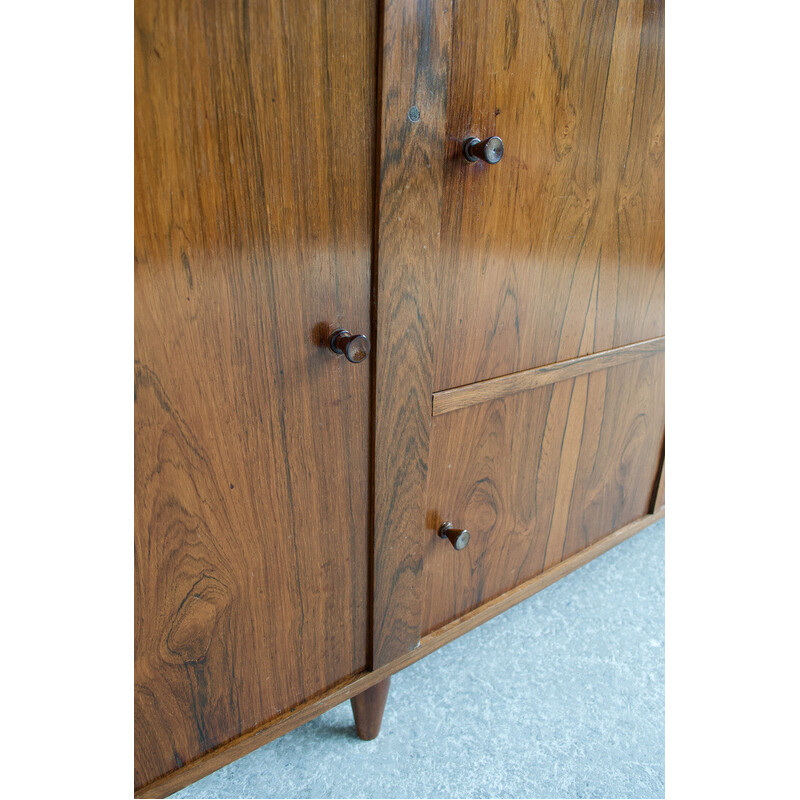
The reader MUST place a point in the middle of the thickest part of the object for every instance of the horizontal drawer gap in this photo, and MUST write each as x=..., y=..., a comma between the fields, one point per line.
x=495, y=388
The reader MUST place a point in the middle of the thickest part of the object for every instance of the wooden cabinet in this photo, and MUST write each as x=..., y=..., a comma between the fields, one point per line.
x=302, y=171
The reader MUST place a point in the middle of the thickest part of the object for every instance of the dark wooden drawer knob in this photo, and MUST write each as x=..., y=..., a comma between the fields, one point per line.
x=489, y=150
x=354, y=348
x=459, y=537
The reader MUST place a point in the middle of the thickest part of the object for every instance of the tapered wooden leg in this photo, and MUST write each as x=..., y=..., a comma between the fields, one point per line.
x=368, y=709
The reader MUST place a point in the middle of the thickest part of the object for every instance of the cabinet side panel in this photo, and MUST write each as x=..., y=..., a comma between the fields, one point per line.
x=254, y=176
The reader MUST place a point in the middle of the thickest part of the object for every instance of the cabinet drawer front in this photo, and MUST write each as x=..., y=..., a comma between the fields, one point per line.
x=536, y=477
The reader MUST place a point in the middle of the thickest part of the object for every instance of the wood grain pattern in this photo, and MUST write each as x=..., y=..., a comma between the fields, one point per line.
x=558, y=250
x=413, y=95
x=253, y=240
x=495, y=388
x=350, y=687
x=254, y=234
x=537, y=477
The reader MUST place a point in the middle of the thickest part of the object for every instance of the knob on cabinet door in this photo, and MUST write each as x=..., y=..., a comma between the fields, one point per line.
x=355, y=348
x=459, y=537
x=489, y=150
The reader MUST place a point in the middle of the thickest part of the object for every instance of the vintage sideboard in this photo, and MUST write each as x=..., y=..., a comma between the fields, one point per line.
x=399, y=300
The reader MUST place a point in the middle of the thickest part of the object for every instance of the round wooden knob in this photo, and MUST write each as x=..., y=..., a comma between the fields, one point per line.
x=355, y=348
x=459, y=537
x=489, y=150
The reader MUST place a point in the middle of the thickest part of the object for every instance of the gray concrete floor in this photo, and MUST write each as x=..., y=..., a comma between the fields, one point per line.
x=560, y=696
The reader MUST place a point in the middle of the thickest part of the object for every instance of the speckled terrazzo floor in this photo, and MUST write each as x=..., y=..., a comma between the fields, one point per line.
x=560, y=696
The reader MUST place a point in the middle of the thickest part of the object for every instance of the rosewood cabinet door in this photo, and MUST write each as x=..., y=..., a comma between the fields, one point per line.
x=525, y=296
x=556, y=251
x=255, y=129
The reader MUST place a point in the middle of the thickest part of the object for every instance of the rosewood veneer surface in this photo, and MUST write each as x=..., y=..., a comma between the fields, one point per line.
x=300, y=170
